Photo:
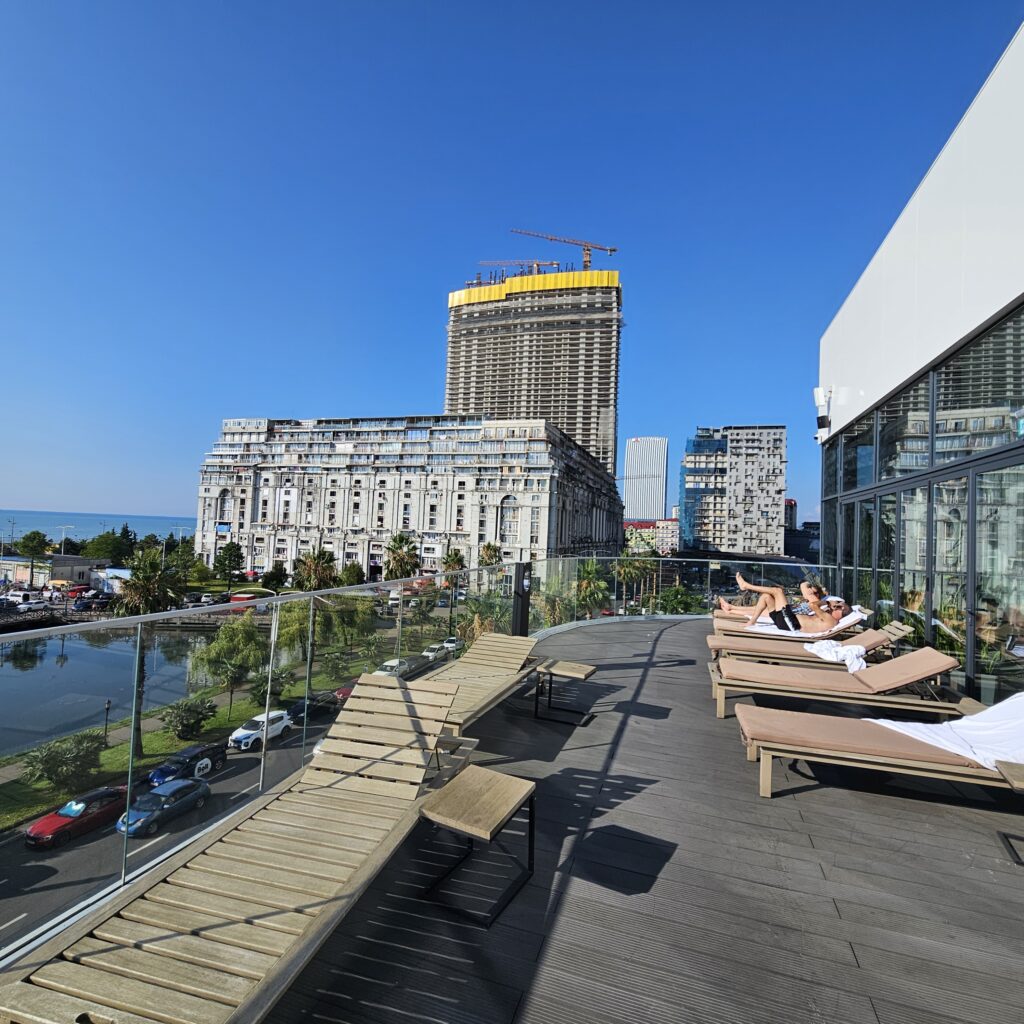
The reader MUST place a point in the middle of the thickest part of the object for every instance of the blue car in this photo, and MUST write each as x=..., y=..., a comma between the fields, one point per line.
x=150, y=810
x=192, y=762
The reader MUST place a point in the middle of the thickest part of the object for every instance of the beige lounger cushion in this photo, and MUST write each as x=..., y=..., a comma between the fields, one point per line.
x=914, y=667
x=869, y=639
x=842, y=735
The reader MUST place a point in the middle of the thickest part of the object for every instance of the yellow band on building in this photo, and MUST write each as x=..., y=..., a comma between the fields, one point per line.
x=535, y=283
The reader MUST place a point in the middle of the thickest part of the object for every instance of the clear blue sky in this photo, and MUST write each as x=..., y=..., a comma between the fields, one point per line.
x=248, y=209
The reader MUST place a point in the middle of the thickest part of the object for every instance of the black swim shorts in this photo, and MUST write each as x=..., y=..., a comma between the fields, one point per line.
x=786, y=619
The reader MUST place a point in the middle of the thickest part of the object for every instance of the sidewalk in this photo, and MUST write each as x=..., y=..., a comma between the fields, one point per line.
x=12, y=772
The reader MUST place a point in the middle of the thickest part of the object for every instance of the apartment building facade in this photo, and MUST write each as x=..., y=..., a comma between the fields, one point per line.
x=732, y=490
x=283, y=488
x=645, y=477
x=540, y=346
x=921, y=405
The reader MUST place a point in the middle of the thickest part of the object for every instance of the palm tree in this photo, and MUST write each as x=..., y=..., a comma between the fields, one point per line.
x=150, y=588
x=591, y=589
x=401, y=559
x=453, y=561
x=490, y=554
x=316, y=570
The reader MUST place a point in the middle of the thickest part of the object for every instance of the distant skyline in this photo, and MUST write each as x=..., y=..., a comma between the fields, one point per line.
x=256, y=210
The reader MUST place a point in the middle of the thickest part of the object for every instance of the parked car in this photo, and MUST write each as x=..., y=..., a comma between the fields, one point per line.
x=206, y=599
x=153, y=809
x=343, y=693
x=436, y=652
x=191, y=763
x=454, y=644
x=192, y=600
x=404, y=668
x=443, y=602
x=91, y=604
x=36, y=604
x=79, y=815
x=320, y=704
x=250, y=735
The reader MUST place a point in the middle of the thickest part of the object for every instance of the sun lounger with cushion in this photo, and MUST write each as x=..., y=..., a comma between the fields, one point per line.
x=781, y=652
x=848, y=622
x=900, y=683
x=216, y=934
x=859, y=743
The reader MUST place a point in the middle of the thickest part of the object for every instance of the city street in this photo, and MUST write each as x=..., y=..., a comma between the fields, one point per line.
x=37, y=885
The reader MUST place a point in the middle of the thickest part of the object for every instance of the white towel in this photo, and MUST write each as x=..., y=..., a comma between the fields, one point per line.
x=995, y=734
x=857, y=615
x=834, y=651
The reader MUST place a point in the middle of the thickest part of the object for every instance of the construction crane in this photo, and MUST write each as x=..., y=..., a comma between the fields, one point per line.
x=587, y=246
x=536, y=264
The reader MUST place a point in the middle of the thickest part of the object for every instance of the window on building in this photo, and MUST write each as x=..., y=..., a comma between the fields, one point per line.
x=859, y=453
x=903, y=432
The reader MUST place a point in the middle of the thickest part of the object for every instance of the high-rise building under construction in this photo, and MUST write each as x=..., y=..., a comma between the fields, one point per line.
x=540, y=346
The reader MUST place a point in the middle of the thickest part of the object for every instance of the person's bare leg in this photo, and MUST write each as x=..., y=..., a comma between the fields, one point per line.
x=763, y=605
x=744, y=585
x=728, y=606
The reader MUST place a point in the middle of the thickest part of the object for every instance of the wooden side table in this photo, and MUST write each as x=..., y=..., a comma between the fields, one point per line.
x=546, y=673
x=478, y=804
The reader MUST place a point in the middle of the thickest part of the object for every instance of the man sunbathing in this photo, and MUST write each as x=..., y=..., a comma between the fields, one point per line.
x=824, y=612
x=810, y=592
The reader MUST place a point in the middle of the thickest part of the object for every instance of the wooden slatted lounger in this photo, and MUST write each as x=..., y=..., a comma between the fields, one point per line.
x=216, y=934
x=857, y=743
x=494, y=667
x=875, y=686
x=782, y=652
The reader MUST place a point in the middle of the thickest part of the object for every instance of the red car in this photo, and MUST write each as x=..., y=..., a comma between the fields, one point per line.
x=344, y=692
x=79, y=815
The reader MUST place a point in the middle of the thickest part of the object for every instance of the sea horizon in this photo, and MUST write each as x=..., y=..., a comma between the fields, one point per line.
x=85, y=525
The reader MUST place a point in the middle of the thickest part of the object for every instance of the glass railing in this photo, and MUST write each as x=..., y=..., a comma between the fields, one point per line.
x=572, y=589
x=163, y=724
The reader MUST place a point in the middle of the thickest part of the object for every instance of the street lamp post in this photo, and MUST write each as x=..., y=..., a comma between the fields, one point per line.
x=106, y=719
x=63, y=533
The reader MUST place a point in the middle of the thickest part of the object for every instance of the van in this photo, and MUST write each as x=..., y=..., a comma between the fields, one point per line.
x=394, y=598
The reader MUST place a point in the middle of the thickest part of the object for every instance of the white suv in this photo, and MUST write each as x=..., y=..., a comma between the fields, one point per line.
x=435, y=652
x=250, y=735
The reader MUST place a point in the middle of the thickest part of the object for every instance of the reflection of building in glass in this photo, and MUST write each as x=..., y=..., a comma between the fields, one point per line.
x=733, y=484
x=923, y=365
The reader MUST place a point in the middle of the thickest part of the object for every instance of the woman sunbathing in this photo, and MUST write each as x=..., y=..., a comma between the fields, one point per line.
x=824, y=611
x=810, y=591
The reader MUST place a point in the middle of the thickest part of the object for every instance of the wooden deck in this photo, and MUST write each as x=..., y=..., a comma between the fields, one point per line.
x=667, y=890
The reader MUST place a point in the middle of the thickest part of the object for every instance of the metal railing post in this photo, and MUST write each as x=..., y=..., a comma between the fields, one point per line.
x=136, y=712
x=274, y=621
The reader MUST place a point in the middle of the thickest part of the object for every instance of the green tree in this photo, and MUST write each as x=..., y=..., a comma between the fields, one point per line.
x=201, y=572
x=183, y=561
x=150, y=588
x=65, y=763
x=315, y=570
x=490, y=554
x=591, y=588
x=453, y=561
x=186, y=717
x=371, y=646
x=280, y=680
x=33, y=545
x=275, y=577
x=352, y=575
x=230, y=562
x=401, y=559
x=151, y=540
x=238, y=650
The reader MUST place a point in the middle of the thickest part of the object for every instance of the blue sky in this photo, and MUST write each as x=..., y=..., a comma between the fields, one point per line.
x=258, y=209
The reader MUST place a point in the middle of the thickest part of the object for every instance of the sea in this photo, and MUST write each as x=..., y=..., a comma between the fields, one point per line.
x=85, y=525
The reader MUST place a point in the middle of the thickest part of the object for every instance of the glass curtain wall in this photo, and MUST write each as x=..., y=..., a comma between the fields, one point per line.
x=944, y=552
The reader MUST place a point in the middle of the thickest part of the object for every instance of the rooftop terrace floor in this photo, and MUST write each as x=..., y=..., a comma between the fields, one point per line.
x=667, y=890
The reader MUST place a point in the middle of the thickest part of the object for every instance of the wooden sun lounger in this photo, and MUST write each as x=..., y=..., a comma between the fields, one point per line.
x=732, y=627
x=491, y=669
x=882, y=685
x=782, y=652
x=216, y=934
x=857, y=743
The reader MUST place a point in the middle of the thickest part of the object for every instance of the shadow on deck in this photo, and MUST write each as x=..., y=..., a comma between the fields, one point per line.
x=667, y=890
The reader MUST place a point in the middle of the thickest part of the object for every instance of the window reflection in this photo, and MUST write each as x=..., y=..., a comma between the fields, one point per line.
x=859, y=453
x=830, y=467
x=903, y=432
x=949, y=600
x=979, y=397
x=999, y=595
x=913, y=561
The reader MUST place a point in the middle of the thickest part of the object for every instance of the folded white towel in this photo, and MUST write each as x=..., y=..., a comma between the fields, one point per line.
x=834, y=651
x=995, y=734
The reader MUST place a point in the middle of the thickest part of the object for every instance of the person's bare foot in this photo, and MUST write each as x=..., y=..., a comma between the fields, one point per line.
x=724, y=605
x=741, y=582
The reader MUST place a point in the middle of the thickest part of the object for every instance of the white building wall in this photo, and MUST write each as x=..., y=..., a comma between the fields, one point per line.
x=952, y=261
x=645, y=477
